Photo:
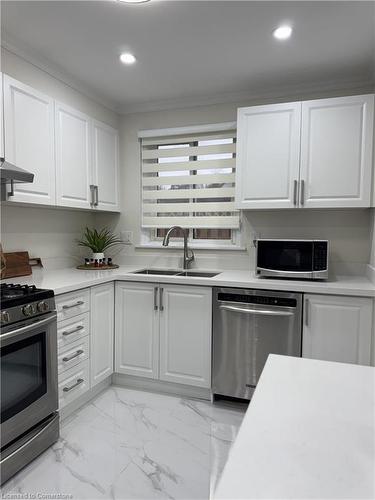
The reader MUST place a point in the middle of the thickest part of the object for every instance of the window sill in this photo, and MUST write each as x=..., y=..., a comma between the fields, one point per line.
x=179, y=246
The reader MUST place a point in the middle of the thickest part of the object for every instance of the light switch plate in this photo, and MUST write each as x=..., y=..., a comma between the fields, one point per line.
x=127, y=237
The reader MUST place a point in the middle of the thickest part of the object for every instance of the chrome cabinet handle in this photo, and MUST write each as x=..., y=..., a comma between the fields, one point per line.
x=306, y=312
x=96, y=190
x=78, y=303
x=79, y=382
x=156, y=298
x=70, y=332
x=302, y=192
x=161, y=306
x=295, y=192
x=263, y=312
x=75, y=355
x=11, y=191
x=92, y=191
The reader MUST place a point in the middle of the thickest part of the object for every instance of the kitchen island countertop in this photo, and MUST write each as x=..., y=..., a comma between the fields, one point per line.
x=309, y=432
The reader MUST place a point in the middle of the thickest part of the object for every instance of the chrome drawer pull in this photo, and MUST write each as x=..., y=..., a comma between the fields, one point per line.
x=78, y=303
x=69, y=358
x=79, y=382
x=69, y=332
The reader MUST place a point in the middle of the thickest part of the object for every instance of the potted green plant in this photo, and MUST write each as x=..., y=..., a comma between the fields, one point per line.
x=99, y=241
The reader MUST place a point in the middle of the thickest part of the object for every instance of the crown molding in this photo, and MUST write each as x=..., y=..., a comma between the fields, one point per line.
x=19, y=49
x=290, y=92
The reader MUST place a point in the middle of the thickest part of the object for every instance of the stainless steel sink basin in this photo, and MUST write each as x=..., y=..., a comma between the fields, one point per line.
x=171, y=272
x=166, y=272
x=198, y=274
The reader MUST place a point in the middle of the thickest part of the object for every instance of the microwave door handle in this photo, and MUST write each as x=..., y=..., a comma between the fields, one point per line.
x=260, y=312
x=29, y=328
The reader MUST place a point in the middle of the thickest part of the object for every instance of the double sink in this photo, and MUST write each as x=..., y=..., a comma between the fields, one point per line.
x=174, y=272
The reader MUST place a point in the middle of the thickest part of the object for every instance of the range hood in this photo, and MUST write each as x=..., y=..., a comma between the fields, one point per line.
x=9, y=173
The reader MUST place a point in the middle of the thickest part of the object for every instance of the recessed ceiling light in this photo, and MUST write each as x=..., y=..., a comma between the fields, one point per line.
x=282, y=32
x=127, y=58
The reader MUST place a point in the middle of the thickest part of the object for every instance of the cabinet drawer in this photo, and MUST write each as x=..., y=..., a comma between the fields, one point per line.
x=73, y=329
x=74, y=383
x=72, y=304
x=72, y=354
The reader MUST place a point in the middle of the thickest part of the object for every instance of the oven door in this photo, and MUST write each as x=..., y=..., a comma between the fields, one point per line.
x=285, y=258
x=28, y=375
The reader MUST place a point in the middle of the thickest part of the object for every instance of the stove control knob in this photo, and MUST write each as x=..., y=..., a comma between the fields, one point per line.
x=28, y=310
x=4, y=317
x=42, y=306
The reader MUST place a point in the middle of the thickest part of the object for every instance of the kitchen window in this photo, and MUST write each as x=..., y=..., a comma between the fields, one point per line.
x=188, y=180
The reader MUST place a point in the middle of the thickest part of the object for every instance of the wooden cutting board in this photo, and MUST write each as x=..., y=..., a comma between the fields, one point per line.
x=16, y=264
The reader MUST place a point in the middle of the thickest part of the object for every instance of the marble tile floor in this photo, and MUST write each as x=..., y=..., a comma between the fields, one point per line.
x=129, y=444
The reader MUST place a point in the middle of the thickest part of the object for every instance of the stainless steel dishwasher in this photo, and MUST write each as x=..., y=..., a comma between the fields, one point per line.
x=248, y=325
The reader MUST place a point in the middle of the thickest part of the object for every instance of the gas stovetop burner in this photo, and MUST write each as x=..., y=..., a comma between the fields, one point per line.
x=18, y=302
x=10, y=291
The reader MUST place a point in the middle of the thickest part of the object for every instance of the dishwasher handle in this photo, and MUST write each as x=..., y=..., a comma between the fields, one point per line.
x=261, y=312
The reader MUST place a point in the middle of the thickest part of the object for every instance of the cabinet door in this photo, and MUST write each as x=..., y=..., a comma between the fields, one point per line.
x=137, y=330
x=102, y=332
x=268, y=146
x=72, y=157
x=2, y=152
x=105, y=166
x=185, y=335
x=336, y=152
x=337, y=328
x=29, y=140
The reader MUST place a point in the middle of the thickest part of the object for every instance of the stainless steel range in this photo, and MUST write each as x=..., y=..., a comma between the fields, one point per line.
x=29, y=397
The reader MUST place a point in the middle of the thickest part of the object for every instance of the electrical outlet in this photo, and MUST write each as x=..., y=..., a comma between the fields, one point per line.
x=127, y=237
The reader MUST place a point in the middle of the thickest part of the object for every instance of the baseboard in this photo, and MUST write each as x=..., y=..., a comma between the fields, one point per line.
x=90, y=394
x=162, y=387
x=371, y=273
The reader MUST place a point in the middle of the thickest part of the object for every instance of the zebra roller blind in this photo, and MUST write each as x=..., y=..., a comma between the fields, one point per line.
x=189, y=180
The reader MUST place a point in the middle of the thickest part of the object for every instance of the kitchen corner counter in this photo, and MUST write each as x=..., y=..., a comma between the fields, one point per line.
x=70, y=279
x=308, y=433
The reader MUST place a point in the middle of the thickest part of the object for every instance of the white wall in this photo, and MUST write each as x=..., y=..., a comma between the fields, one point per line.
x=46, y=232
x=348, y=230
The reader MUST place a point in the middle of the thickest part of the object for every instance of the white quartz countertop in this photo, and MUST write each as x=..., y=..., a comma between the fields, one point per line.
x=67, y=280
x=309, y=432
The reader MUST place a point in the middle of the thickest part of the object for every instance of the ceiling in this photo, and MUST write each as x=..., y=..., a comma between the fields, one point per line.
x=197, y=51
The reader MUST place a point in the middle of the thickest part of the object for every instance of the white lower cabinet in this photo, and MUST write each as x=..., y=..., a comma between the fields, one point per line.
x=74, y=383
x=337, y=328
x=185, y=335
x=137, y=330
x=164, y=332
x=101, y=335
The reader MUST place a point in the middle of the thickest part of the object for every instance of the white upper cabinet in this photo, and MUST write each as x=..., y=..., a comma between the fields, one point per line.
x=268, y=156
x=336, y=152
x=314, y=154
x=29, y=140
x=105, y=168
x=2, y=153
x=73, y=157
x=337, y=328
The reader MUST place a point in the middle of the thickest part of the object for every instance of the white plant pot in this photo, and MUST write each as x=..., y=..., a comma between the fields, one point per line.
x=98, y=256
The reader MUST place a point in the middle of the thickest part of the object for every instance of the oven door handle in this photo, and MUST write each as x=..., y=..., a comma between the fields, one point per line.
x=29, y=328
x=261, y=312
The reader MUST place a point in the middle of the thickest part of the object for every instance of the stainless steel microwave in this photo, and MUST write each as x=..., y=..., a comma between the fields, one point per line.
x=301, y=259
